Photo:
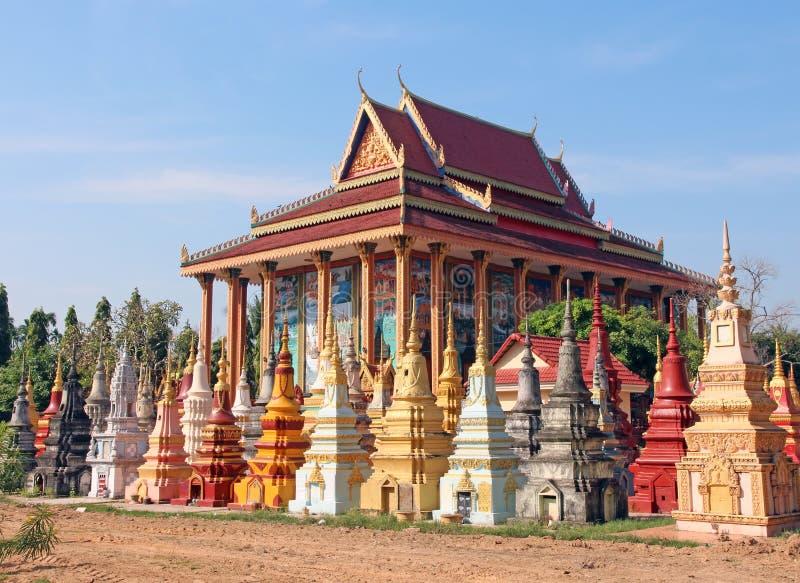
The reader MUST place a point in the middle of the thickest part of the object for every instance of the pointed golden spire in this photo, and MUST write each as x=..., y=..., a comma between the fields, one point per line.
x=765, y=386
x=284, y=356
x=335, y=374
x=659, y=362
x=169, y=391
x=726, y=244
x=190, y=362
x=450, y=372
x=705, y=347
x=413, y=344
x=481, y=366
x=364, y=96
x=778, y=376
x=727, y=293
x=58, y=384
x=451, y=332
x=222, y=387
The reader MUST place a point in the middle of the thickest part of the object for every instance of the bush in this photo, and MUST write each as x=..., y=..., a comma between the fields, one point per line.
x=36, y=537
x=11, y=472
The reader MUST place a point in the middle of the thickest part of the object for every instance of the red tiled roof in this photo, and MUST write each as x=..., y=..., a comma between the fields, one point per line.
x=546, y=348
x=483, y=148
x=572, y=202
x=497, y=234
x=401, y=131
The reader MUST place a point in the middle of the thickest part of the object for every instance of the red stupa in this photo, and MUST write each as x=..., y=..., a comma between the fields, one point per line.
x=218, y=460
x=186, y=379
x=784, y=392
x=655, y=481
x=43, y=425
x=623, y=434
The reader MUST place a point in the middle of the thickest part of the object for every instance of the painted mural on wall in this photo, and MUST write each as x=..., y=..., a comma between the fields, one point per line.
x=538, y=293
x=385, y=307
x=462, y=286
x=637, y=300
x=608, y=297
x=421, y=288
x=287, y=300
x=501, y=307
x=310, y=314
x=343, y=304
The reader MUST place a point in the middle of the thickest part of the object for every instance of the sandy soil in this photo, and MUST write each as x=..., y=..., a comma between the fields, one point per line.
x=106, y=547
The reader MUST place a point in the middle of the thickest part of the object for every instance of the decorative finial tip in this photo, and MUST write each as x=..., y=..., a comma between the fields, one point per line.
x=364, y=95
x=400, y=79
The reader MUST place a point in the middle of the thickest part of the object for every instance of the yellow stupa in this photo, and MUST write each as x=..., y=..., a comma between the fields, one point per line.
x=412, y=447
x=450, y=391
x=279, y=451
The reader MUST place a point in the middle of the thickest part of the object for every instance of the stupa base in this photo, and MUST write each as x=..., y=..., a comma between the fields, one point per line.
x=144, y=492
x=733, y=524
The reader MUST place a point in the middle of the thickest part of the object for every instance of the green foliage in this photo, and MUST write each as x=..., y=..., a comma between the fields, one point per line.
x=40, y=363
x=764, y=343
x=632, y=336
x=6, y=327
x=11, y=472
x=36, y=537
x=181, y=347
x=38, y=330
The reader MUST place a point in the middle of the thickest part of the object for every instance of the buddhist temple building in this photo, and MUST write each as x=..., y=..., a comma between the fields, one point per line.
x=655, y=481
x=279, y=451
x=336, y=465
x=62, y=467
x=571, y=478
x=787, y=415
x=118, y=450
x=218, y=460
x=412, y=446
x=431, y=202
x=22, y=429
x=164, y=467
x=197, y=405
x=43, y=428
x=735, y=475
x=484, y=475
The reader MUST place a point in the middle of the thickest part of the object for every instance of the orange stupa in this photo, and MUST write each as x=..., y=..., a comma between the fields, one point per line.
x=43, y=426
x=787, y=415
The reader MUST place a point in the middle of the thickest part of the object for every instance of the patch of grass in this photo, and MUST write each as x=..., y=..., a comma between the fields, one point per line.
x=609, y=531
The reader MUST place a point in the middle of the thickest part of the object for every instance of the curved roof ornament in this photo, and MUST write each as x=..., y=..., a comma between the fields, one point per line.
x=535, y=125
x=560, y=156
x=364, y=96
x=400, y=79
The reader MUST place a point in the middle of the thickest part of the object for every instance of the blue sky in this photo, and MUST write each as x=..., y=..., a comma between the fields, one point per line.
x=128, y=128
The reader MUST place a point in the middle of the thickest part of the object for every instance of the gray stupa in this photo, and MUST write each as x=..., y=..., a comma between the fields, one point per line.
x=62, y=465
x=267, y=383
x=21, y=428
x=571, y=478
x=524, y=419
x=98, y=403
x=358, y=401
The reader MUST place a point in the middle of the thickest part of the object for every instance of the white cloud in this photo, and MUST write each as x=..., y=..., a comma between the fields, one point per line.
x=604, y=55
x=623, y=174
x=63, y=144
x=174, y=185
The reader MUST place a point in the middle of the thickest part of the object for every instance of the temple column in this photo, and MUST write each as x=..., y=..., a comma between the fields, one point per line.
x=402, y=250
x=322, y=261
x=267, y=311
x=701, y=319
x=206, y=281
x=559, y=272
x=588, y=283
x=242, y=347
x=658, y=301
x=366, y=252
x=438, y=253
x=234, y=313
x=521, y=267
x=620, y=291
x=481, y=296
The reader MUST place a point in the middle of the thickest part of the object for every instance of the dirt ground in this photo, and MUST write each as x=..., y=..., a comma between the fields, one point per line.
x=108, y=547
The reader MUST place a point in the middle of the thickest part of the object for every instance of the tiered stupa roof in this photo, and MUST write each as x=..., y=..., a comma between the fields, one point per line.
x=43, y=428
x=22, y=429
x=450, y=389
x=198, y=403
x=98, y=403
x=787, y=415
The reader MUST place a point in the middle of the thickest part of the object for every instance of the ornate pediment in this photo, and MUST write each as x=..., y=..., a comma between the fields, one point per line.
x=370, y=155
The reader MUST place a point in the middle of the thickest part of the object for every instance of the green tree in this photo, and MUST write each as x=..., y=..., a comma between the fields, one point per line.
x=632, y=336
x=181, y=347
x=764, y=344
x=253, y=344
x=6, y=327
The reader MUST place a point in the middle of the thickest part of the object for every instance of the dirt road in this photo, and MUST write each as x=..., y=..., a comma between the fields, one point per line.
x=109, y=547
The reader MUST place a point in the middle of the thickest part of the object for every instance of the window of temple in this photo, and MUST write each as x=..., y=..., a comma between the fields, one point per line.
x=538, y=292
x=287, y=299
x=385, y=307
x=501, y=307
x=421, y=288
x=461, y=284
x=608, y=296
x=344, y=307
x=645, y=300
x=576, y=289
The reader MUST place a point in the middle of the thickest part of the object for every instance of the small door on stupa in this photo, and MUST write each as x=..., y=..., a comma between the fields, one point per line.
x=549, y=507
x=464, y=504
x=405, y=501
x=665, y=494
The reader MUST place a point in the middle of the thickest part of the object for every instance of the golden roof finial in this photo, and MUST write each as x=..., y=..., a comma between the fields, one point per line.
x=364, y=96
x=660, y=244
x=413, y=344
x=184, y=254
x=253, y=214
x=560, y=156
x=58, y=384
x=400, y=79
x=659, y=362
x=535, y=125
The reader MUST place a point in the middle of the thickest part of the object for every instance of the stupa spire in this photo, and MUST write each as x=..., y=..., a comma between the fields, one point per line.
x=778, y=377
x=450, y=389
x=569, y=382
x=659, y=362
x=198, y=403
x=98, y=403
x=43, y=427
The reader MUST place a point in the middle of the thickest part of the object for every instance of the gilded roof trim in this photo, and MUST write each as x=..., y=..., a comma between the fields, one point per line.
x=435, y=151
x=629, y=252
x=482, y=199
x=367, y=179
x=530, y=217
x=504, y=185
